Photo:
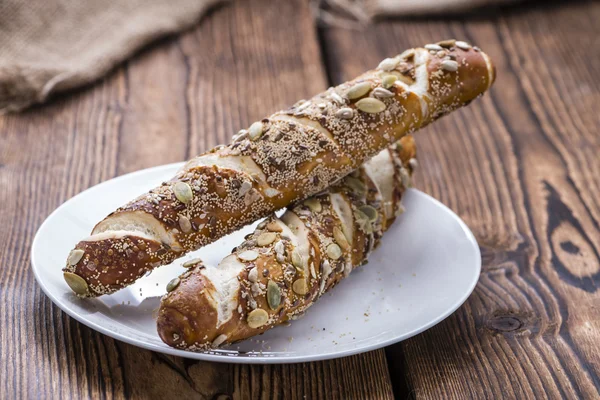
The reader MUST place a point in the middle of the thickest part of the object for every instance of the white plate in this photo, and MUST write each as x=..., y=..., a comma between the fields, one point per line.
x=426, y=267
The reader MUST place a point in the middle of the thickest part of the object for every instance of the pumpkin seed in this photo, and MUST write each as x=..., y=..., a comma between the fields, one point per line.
x=273, y=295
x=300, y=287
x=256, y=130
x=382, y=93
x=248, y=255
x=172, y=285
x=274, y=227
x=388, y=64
x=253, y=275
x=447, y=43
x=314, y=205
x=257, y=318
x=297, y=260
x=449, y=65
x=185, y=224
x=413, y=163
x=75, y=256
x=369, y=212
x=76, y=283
x=356, y=185
x=334, y=251
x=370, y=105
x=340, y=238
x=344, y=113
x=387, y=81
x=183, y=192
x=266, y=238
x=192, y=262
x=463, y=45
x=433, y=47
x=303, y=106
x=358, y=90
x=218, y=341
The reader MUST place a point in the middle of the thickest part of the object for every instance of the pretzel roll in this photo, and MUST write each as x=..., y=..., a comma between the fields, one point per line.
x=287, y=263
x=282, y=159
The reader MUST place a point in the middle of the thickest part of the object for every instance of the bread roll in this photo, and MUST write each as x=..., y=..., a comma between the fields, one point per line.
x=284, y=158
x=287, y=263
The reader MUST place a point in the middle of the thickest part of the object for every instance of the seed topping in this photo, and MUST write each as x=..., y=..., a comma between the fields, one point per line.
x=273, y=295
x=257, y=318
x=433, y=47
x=359, y=90
x=344, y=113
x=248, y=255
x=389, y=64
x=183, y=192
x=76, y=283
x=463, y=45
x=370, y=105
x=185, y=224
x=172, y=285
x=382, y=93
x=299, y=286
x=449, y=65
x=256, y=130
x=266, y=238
x=388, y=81
x=75, y=256
x=334, y=251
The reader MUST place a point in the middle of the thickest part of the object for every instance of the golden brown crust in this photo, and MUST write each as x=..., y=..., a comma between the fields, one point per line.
x=188, y=316
x=293, y=154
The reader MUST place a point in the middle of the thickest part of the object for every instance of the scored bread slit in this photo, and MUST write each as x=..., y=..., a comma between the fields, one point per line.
x=380, y=169
x=343, y=210
x=306, y=122
x=226, y=286
x=237, y=163
x=137, y=223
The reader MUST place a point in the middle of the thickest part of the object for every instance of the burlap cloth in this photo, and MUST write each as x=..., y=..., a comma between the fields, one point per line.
x=47, y=46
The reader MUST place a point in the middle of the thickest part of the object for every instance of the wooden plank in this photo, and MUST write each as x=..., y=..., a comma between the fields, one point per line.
x=521, y=167
x=172, y=101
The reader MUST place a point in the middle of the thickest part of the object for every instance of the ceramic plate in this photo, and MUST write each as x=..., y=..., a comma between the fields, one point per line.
x=426, y=267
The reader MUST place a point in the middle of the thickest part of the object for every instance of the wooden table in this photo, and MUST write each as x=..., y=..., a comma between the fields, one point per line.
x=521, y=166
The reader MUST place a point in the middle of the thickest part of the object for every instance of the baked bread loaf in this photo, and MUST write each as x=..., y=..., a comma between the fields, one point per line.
x=289, y=156
x=287, y=263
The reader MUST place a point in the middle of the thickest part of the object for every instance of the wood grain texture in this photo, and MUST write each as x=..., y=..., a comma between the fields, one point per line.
x=521, y=167
x=172, y=101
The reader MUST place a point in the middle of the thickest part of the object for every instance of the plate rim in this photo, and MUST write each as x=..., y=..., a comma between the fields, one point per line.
x=254, y=359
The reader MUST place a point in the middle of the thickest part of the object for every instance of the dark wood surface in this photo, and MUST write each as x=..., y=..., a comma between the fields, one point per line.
x=521, y=166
